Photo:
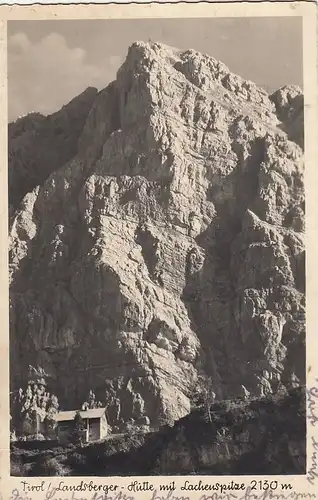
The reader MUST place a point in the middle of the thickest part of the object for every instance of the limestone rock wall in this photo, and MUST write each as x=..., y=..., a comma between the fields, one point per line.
x=169, y=243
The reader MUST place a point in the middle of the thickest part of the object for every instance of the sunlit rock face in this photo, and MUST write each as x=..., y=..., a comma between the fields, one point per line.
x=158, y=236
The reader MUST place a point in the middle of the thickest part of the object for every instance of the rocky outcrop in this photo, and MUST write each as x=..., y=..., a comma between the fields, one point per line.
x=167, y=242
x=34, y=408
x=289, y=102
x=259, y=437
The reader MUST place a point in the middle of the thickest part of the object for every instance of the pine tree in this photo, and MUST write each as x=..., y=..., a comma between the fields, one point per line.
x=204, y=395
x=91, y=403
x=78, y=434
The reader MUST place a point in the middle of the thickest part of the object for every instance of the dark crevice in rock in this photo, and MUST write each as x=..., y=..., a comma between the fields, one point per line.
x=209, y=294
x=150, y=250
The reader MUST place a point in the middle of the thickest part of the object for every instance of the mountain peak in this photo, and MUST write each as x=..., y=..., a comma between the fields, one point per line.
x=161, y=237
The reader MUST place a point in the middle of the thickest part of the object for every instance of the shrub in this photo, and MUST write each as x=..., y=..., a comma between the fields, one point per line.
x=17, y=467
x=49, y=466
x=77, y=462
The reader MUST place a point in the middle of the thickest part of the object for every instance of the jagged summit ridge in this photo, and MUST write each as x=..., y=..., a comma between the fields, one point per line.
x=166, y=242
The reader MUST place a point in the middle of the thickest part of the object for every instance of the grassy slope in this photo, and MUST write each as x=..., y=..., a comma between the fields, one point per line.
x=243, y=438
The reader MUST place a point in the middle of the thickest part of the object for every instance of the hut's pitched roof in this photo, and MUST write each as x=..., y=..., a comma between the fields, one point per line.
x=63, y=416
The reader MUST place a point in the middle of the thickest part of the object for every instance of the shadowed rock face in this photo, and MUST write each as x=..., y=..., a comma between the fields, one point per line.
x=163, y=240
x=39, y=145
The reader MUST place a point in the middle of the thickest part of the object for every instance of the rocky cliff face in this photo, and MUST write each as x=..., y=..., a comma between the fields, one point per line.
x=159, y=235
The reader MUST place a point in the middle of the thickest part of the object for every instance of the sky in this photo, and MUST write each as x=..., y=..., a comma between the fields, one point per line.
x=51, y=62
